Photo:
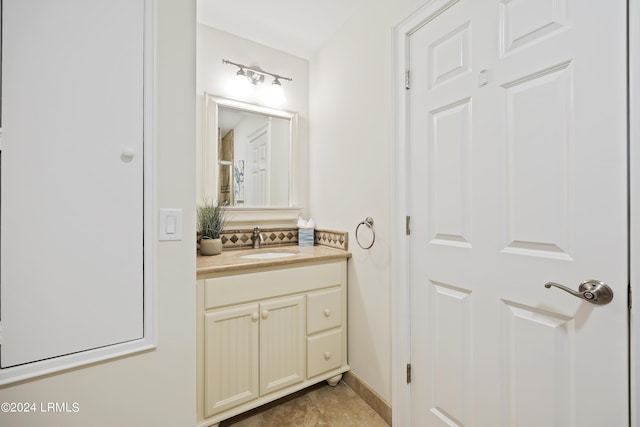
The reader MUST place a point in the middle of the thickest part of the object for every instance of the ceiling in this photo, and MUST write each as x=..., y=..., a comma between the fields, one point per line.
x=298, y=27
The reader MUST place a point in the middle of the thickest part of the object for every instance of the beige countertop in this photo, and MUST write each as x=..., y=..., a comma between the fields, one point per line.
x=232, y=259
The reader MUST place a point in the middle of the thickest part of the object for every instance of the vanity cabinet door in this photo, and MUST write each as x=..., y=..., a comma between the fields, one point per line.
x=231, y=351
x=282, y=343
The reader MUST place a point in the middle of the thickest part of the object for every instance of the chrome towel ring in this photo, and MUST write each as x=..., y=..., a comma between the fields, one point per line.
x=368, y=221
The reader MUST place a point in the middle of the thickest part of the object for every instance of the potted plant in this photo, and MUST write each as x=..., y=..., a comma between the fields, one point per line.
x=211, y=219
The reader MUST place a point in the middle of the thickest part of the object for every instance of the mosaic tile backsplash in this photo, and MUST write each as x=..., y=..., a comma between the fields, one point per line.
x=243, y=239
x=334, y=239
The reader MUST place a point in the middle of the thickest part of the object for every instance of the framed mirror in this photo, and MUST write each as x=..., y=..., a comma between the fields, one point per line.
x=248, y=159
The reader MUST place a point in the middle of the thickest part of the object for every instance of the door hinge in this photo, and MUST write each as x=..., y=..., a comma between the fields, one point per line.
x=408, y=373
x=407, y=80
x=629, y=296
x=407, y=225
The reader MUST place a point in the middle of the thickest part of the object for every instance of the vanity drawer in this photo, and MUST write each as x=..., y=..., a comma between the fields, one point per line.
x=324, y=352
x=324, y=310
x=260, y=284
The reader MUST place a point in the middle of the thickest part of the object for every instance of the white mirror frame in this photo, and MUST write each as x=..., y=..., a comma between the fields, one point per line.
x=247, y=216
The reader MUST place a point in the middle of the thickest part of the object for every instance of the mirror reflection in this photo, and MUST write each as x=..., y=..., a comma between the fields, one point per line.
x=253, y=159
x=250, y=165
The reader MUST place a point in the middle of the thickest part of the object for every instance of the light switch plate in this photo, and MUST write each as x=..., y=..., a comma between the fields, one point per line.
x=170, y=224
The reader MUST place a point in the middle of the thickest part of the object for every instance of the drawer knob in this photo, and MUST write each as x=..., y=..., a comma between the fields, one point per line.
x=327, y=355
x=254, y=316
x=265, y=314
x=327, y=312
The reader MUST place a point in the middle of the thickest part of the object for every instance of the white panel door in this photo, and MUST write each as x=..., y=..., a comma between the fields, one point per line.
x=72, y=177
x=258, y=184
x=518, y=178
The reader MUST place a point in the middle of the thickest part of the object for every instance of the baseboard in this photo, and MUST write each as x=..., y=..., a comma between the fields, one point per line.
x=373, y=399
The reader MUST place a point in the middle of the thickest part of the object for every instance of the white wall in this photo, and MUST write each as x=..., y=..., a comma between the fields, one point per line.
x=350, y=149
x=215, y=78
x=156, y=388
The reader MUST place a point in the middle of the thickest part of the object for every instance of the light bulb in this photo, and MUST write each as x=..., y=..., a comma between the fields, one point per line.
x=276, y=94
x=241, y=85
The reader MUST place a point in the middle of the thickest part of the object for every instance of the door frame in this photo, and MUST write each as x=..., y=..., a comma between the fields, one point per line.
x=400, y=261
x=634, y=202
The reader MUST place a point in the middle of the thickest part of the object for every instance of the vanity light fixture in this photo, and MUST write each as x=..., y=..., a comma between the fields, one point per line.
x=255, y=75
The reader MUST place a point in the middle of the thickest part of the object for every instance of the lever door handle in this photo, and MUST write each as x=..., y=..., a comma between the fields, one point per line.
x=594, y=291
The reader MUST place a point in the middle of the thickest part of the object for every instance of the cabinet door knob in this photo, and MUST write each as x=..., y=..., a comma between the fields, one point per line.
x=327, y=355
x=254, y=316
x=265, y=314
x=127, y=154
x=327, y=312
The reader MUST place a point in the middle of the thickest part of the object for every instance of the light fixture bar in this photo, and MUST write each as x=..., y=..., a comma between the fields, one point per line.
x=257, y=71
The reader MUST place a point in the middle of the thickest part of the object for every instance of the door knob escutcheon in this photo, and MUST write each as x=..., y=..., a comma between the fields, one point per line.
x=593, y=291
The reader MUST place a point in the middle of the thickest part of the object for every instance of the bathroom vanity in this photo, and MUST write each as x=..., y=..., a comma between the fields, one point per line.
x=269, y=322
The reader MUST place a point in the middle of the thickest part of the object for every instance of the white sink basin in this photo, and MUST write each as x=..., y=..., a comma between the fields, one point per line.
x=268, y=255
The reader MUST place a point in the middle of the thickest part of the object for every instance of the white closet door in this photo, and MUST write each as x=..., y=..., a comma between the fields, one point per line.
x=518, y=120
x=72, y=177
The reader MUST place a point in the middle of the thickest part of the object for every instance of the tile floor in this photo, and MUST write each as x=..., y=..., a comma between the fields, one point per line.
x=319, y=405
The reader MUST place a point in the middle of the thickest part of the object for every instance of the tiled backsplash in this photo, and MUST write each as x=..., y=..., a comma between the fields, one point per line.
x=334, y=239
x=243, y=239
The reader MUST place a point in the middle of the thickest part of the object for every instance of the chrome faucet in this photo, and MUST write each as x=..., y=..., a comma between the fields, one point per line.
x=257, y=238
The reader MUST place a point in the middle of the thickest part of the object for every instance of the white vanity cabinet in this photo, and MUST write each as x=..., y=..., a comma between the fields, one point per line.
x=252, y=350
x=264, y=333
